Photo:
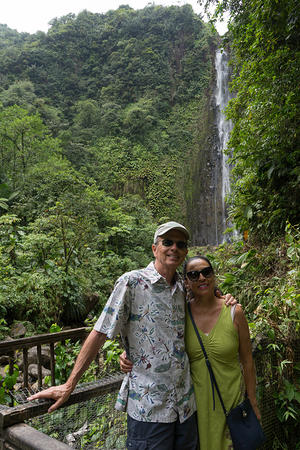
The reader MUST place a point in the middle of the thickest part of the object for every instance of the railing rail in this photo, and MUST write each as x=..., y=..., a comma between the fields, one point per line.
x=24, y=437
x=12, y=415
x=266, y=363
x=9, y=348
x=14, y=434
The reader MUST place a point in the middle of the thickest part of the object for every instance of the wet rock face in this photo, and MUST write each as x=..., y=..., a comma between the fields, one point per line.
x=205, y=200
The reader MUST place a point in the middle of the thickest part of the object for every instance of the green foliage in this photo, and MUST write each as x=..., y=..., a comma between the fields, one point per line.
x=139, y=117
x=5, y=202
x=287, y=401
x=77, y=247
x=126, y=75
x=122, y=55
x=4, y=329
x=263, y=145
x=265, y=279
x=20, y=93
x=105, y=431
x=67, y=352
x=24, y=141
x=65, y=356
x=112, y=351
x=7, y=383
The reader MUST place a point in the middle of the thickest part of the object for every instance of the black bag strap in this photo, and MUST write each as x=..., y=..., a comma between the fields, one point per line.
x=211, y=373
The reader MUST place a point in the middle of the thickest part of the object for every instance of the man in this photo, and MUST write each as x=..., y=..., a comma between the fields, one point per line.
x=146, y=308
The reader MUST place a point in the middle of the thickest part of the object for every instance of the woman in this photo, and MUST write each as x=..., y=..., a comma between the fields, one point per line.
x=225, y=335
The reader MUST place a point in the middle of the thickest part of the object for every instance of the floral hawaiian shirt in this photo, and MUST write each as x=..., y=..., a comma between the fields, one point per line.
x=148, y=313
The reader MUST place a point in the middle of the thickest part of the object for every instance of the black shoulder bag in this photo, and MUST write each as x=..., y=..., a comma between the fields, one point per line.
x=245, y=429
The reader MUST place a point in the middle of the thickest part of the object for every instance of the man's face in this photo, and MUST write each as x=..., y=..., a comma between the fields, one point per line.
x=169, y=256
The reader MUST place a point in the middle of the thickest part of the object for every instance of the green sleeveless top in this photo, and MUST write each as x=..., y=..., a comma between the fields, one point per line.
x=222, y=347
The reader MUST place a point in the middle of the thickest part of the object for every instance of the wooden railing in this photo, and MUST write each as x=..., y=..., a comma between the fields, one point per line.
x=15, y=435
x=11, y=419
x=9, y=348
x=24, y=437
x=12, y=415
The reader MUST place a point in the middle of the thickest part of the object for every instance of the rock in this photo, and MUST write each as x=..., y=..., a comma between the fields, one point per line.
x=33, y=371
x=18, y=330
x=46, y=357
x=32, y=357
x=34, y=387
x=73, y=437
x=2, y=371
x=20, y=378
x=91, y=301
x=7, y=338
x=4, y=360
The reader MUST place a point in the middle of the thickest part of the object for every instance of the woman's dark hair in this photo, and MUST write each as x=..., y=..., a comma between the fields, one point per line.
x=193, y=258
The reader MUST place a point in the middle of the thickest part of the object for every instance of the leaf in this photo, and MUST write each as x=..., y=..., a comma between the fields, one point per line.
x=297, y=396
x=249, y=212
x=270, y=171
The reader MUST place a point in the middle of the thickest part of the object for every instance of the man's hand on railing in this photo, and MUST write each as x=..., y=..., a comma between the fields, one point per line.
x=59, y=393
x=125, y=364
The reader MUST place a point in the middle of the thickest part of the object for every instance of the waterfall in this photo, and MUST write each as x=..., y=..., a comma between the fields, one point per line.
x=222, y=96
x=208, y=180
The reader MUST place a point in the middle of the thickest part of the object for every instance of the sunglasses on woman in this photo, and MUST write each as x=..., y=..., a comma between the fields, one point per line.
x=194, y=275
x=169, y=242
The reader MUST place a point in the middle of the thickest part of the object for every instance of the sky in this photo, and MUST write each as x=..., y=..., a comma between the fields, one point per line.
x=34, y=15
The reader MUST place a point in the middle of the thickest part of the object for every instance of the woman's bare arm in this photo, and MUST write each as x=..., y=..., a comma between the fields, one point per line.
x=246, y=358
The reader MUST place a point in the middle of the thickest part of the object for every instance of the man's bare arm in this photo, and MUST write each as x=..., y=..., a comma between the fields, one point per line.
x=88, y=352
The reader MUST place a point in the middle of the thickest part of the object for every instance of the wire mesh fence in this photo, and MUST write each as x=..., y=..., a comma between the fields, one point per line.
x=95, y=423
x=88, y=425
x=269, y=384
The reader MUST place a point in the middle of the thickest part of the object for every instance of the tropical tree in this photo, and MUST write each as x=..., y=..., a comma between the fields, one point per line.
x=24, y=140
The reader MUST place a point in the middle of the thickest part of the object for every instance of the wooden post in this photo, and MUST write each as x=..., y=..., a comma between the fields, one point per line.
x=39, y=360
x=25, y=367
x=11, y=371
x=52, y=364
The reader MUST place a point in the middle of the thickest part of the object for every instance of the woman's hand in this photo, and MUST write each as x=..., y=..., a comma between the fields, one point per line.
x=125, y=364
x=255, y=408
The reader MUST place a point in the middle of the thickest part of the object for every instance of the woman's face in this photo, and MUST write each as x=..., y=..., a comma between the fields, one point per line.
x=200, y=278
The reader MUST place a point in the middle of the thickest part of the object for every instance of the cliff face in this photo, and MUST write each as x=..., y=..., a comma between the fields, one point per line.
x=132, y=96
x=207, y=180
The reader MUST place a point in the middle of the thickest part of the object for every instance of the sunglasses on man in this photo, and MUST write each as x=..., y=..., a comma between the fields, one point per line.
x=194, y=275
x=169, y=242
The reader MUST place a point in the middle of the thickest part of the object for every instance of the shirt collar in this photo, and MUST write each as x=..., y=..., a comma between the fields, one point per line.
x=155, y=276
